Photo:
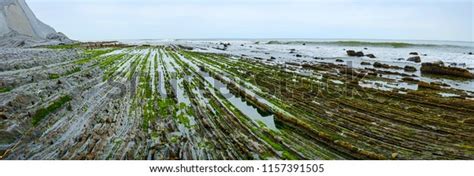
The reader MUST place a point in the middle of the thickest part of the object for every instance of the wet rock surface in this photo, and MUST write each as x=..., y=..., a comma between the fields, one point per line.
x=372, y=56
x=365, y=63
x=164, y=102
x=416, y=59
x=353, y=53
x=410, y=68
x=386, y=66
x=440, y=69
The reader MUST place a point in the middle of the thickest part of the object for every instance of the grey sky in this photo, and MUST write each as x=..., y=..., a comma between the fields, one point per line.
x=170, y=19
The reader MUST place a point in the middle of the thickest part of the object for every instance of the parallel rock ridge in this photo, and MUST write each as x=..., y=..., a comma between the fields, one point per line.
x=163, y=103
x=20, y=27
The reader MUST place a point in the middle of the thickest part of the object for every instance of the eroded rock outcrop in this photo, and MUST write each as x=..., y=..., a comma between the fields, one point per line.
x=439, y=69
x=416, y=59
x=353, y=53
x=19, y=27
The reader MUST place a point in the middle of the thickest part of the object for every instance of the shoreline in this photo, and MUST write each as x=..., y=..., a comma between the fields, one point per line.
x=114, y=101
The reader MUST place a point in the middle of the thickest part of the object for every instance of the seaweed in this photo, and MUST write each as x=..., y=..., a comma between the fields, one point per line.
x=43, y=112
x=5, y=89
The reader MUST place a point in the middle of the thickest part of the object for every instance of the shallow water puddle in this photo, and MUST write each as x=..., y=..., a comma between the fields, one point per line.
x=386, y=86
x=250, y=111
x=448, y=95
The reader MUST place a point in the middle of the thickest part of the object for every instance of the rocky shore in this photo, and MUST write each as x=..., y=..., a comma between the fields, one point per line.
x=117, y=101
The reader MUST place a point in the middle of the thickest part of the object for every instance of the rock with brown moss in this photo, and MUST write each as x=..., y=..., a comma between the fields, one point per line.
x=386, y=66
x=469, y=121
x=380, y=65
x=353, y=53
x=438, y=83
x=416, y=59
x=440, y=69
x=410, y=69
x=365, y=63
x=409, y=79
x=426, y=85
x=371, y=56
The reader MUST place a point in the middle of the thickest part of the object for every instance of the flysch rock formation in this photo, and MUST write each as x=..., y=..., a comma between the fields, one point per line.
x=19, y=27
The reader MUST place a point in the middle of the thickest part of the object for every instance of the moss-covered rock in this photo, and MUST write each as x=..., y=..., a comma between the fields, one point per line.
x=416, y=59
x=365, y=63
x=371, y=56
x=353, y=53
x=386, y=66
x=440, y=69
x=410, y=69
x=7, y=137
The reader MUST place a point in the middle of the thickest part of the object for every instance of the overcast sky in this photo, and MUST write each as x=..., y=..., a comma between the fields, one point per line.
x=183, y=19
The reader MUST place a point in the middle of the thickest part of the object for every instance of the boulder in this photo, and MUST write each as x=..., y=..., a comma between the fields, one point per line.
x=353, y=53
x=414, y=53
x=410, y=69
x=386, y=66
x=440, y=69
x=426, y=85
x=409, y=79
x=416, y=59
x=371, y=56
x=359, y=54
x=365, y=63
x=378, y=65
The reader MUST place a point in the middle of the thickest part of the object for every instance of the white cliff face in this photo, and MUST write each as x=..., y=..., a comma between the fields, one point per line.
x=19, y=26
x=15, y=15
x=3, y=24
